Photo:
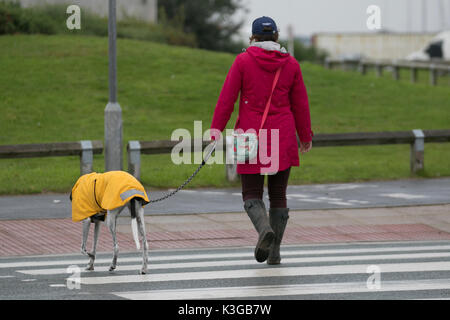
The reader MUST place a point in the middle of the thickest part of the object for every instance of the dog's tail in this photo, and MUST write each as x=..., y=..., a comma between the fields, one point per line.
x=134, y=227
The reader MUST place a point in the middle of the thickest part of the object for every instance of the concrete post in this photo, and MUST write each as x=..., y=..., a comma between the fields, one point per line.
x=417, y=151
x=113, y=137
x=230, y=166
x=433, y=75
x=86, y=157
x=134, y=159
x=379, y=69
x=343, y=64
x=112, y=53
x=413, y=75
x=231, y=172
x=113, y=112
x=396, y=72
x=362, y=68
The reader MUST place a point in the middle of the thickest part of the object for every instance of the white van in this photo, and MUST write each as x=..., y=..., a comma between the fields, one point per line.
x=437, y=49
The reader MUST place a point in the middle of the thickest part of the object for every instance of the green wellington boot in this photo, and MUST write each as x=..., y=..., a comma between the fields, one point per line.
x=278, y=218
x=257, y=213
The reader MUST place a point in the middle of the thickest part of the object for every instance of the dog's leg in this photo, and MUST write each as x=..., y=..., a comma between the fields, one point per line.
x=94, y=246
x=141, y=226
x=86, y=225
x=112, y=222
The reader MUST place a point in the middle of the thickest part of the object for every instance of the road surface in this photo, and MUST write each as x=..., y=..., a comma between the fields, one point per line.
x=305, y=197
x=383, y=270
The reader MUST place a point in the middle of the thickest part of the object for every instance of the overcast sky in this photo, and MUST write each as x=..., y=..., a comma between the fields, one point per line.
x=311, y=16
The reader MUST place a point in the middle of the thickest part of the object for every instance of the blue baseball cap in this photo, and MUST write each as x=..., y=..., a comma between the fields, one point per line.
x=264, y=25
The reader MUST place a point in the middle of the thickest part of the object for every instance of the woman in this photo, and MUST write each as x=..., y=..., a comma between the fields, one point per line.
x=253, y=76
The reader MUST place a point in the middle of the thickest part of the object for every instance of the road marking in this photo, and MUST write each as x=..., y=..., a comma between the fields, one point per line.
x=242, y=262
x=403, y=196
x=329, y=199
x=285, y=290
x=340, y=203
x=344, y=186
x=268, y=272
x=324, y=270
x=358, y=201
x=334, y=201
x=309, y=200
x=214, y=192
x=211, y=256
x=434, y=299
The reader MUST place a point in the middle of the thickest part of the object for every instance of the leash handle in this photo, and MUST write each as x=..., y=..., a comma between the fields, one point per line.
x=208, y=155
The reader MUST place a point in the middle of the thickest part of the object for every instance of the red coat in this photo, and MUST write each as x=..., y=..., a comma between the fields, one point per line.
x=252, y=74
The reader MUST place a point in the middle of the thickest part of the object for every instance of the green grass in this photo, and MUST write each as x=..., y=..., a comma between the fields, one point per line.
x=55, y=88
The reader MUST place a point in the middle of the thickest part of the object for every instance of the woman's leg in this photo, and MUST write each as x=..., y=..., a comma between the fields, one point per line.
x=252, y=186
x=252, y=194
x=278, y=212
x=277, y=186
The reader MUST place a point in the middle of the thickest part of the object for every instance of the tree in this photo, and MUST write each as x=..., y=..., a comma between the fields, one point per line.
x=210, y=20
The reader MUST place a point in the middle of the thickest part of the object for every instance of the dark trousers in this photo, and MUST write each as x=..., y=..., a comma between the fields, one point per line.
x=253, y=187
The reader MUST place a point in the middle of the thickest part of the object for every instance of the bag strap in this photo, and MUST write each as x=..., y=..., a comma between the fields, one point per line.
x=266, y=111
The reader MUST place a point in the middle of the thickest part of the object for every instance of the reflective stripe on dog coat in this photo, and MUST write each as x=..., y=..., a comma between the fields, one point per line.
x=99, y=192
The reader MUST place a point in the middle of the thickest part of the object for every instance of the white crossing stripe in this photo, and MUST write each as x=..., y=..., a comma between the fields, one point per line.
x=268, y=272
x=285, y=290
x=286, y=252
x=327, y=269
x=248, y=261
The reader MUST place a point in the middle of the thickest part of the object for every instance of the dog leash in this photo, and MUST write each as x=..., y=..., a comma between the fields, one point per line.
x=208, y=155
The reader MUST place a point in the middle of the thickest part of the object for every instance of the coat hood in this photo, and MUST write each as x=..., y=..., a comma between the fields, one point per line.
x=268, y=54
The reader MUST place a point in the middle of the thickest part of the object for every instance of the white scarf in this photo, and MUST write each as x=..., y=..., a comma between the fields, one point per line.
x=268, y=45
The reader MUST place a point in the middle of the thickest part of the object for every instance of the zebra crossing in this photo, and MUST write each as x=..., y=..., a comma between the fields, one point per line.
x=384, y=270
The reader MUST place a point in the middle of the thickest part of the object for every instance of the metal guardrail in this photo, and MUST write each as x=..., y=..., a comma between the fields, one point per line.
x=85, y=149
x=435, y=68
x=415, y=138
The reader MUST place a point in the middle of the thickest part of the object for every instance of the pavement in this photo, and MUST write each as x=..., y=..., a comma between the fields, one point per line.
x=405, y=210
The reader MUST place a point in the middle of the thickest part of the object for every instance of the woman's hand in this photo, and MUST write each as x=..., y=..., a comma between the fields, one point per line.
x=305, y=146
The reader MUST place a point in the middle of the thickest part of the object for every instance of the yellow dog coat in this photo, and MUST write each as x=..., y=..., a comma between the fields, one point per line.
x=99, y=192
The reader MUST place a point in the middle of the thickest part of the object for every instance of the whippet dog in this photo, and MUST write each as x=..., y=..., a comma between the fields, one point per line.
x=137, y=225
x=99, y=195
